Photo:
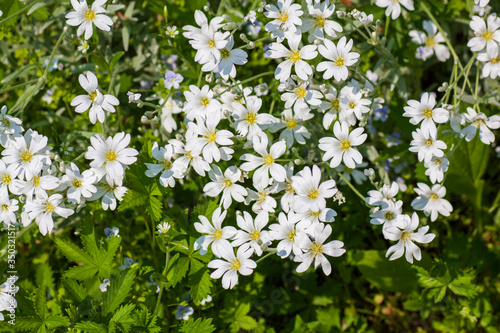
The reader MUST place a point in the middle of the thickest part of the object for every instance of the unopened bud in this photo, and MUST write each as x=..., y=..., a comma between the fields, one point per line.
x=340, y=14
x=227, y=18
x=251, y=45
x=144, y=120
x=209, y=77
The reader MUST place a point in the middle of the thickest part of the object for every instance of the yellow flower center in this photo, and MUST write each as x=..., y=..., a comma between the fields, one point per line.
x=352, y=105
x=313, y=194
x=437, y=161
x=227, y=182
x=315, y=214
x=76, y=183
x=49, y=208
x=406, y=236
x=235, y=265
x=291, y=235
x=211, y=136
x=345, y=144
x=335, y=104
x=89, y=15
x=428, y=142
x=339, y=62
x=6, y=179
x=283, y=17
x=251, y=118
x=291, y=123
x=428, y=113
x=488, y=35
x=217, y=234
x=93, y=96
x=205, y=101
x=495, y=61
x=478, y=122
x=188, y=155
x=430, y=42
x=300, y=92
x=211, y=43
x=434, y=196
x=36, y=181
x=111, y=156
x=319, y=21
x=288, y=187
x=224, y=53
x=5, y=207
x=316, y=249
x=166, y=164
x=267, y=160
x=254, y=235
x=26, y=156
x=294, y=56
x=261, y=196
x=389, y=216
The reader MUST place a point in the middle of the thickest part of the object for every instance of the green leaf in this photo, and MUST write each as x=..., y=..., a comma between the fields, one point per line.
x=118, y=290
x=180, y=270
x=73, y=252
x=40, y=302
x=199, y=325
x=56, y=321
x=199, y=280
x=115, y=59
x=75, y=291
x=123, y=318
x=426, y=280
x=145, y=321
x=91, y=327
x=44, y=276
x=463, y=285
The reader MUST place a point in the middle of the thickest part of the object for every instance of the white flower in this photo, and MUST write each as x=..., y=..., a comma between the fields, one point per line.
x=426, y=145
x=388, y=215
x=288, y=198
x=424, y=110
x=200, y=102
x=430, y=41
x=80, y=185
x=263, y=200
x=7, y=289
x=28, y=153
x=164, y=157
x=201, y=20
x=319, y=23
x=487, y=33
x=95, y=100
x=290, y=232
x=315, y=250
x=436, y=169
x=340, y=57
x=183, y=312
x=163, y=227
x=229, y=268
x=133, y=97
x=208, y=44
x=386, y=193
x=341, y=147
x=302, y=98
x=216, y=234
x=84, y=46
x=209, y=139
x=431, y=201
x=206, y=300
x=316, y=217
x=266, y=163
x=169, y=108
x=252, y=233
x=293, y=130
x=172, y=31
x=109, y=192
x=354, y=103
x=112, y=232
x=311, y=195
x=38, y=184
x=42, y=208
x=492, y=60
x=8, y=207
x=294, y=57
x=229, y=58
x=225, y=183
x=10, y=127
x=187, y=158
x=286, y=17
x=8, y=181
x=332, y=108
x=110, y=157
x=85, y=16
x=479, y=121
x=248, y=121
x=403, y=233
x=394, y=6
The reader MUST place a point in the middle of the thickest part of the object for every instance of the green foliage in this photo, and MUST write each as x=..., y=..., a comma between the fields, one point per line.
x=198, y=326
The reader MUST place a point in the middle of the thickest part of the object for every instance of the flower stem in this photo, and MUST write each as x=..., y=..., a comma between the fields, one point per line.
x=19, y=12
x=167, y=259
x=271, y=252
x=352, y=186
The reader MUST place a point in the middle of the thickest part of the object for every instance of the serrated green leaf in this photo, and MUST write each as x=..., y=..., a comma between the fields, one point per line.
x=199, y=325
x=75, y=291
x=118, y=290
x=132, y=199
x=91, y=327
x=180, y=270
x=40, y=302
x=426, y=280
x=154, y=209
x=145, y=321
x=28, y=323
x=56, y=321
x=199, y=280
x=87, y=236
x=73, y=252
x=44, y=276
x=122, y=318
x=106, y=255
x=81, y=272
x=115, y=59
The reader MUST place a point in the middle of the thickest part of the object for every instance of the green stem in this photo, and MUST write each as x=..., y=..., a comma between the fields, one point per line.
x=271, y=252
x=352, y=186
x=18, y=86
x=167, y=259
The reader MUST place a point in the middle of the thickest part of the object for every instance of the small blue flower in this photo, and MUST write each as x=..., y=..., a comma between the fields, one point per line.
x=172, y=79
x=127, y=262
x=254, y=29
x=111, y=232
x=104, y=285
x=183, y=312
